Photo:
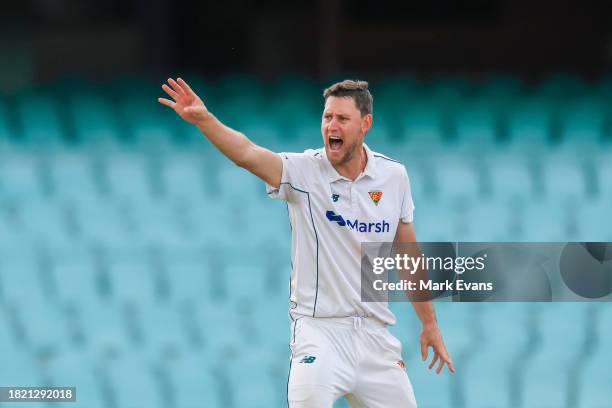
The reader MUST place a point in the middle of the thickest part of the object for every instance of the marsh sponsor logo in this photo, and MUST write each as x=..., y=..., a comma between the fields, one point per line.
x=376, y=227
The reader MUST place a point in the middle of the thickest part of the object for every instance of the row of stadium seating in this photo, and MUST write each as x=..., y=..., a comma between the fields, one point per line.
x=433, y=115
x=25, y=177
x=69, y=199
x=129, y=355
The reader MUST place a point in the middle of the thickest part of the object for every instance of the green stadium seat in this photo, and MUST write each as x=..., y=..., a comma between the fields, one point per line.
x=94, y=120
x=530, y=124
x=561, y=86
x=421, y=124
x=7, y=134
x=501, y=88
x=582, y=125
x=39, y=119
x=476, y=125
x=147, y=123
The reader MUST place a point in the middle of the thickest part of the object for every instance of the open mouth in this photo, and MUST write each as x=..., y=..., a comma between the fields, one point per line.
x=335, y=143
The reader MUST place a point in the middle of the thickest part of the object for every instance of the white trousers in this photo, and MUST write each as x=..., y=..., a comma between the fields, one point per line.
x=353, y=357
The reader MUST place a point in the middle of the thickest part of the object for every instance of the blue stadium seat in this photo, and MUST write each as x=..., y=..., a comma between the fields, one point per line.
x=104, y=326
x=73, y=176
x=595, y=222
x=129, y=175
x=132, y=277
x=7, y=340
x=511, y=176
x=431, y=390
x=548, y=221
x=193, y=382
x=77, y=369
x=77, y=277
x=134, y=382
x=102, y=221
x=221, y=327
x=183, y=175
x=546, y=376
x=564, y=178
x=487, y=376
x=456, y=178
x=20, y=369
x=164, y=328
x=490, y=220
x=423, y=182
x=595, y=384
x=46, y=327
x=604, y=166
x=20, y=177
x=191, y=278
x=21, y=276
x=256, y=389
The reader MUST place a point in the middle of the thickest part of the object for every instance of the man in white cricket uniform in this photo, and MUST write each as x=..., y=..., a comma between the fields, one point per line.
x=338, y=197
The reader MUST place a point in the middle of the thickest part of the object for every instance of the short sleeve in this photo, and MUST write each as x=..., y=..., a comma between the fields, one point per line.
x=294, y=176
x=407, y=209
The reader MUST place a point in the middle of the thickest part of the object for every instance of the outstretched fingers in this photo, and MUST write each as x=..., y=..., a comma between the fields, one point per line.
x=170, y=92
x=185, y=87
x=166, y=102
x=176, y=87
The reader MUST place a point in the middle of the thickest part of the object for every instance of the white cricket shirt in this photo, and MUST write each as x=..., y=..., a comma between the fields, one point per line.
x=330, y=217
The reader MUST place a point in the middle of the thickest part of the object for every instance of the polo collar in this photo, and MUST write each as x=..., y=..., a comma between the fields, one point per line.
x=333, y=175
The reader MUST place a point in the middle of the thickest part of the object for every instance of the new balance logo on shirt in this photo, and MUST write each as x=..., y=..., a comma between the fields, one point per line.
x=378, y=227
x=308, y=360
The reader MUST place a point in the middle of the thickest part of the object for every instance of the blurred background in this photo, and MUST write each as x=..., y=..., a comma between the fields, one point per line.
x=140, y=266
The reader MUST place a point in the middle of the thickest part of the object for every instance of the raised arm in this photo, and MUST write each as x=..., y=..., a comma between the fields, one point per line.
x=236, y=146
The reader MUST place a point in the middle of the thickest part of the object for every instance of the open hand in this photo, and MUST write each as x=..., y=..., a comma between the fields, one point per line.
x=185, y=102
x=431, y=337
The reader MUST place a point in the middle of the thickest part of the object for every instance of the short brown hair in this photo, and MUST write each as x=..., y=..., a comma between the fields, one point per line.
x=358, y=90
